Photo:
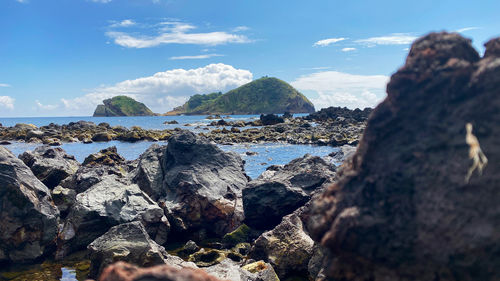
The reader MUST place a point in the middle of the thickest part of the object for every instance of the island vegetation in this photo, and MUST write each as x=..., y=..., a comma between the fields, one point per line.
x=122, y=106
x=262, y=96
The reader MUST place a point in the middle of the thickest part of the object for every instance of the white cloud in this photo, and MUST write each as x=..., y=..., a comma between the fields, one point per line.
x=123, y=23
x=7, y=102
x=329, y=41
x=316, y=68
x=348, y=49
x=241, y=28
x=175, y=33
x=22, y=1
x=392, y=39
x=4, y=85
x=206, y=56
x=164, y=90
x=100, y=1
x=467, y=29
x=39, y=105
x=333, y=88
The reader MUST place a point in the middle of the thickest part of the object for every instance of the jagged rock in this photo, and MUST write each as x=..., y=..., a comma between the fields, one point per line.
x=108, y=156
x=404, y=209
x=64, y=198
x=190, y=247
x=207, y=257
x=344, y=152
x=288, y=248
x=173, y=122
x=122, y=271
x=102, y=136
x=270, y=119
x=239, y=235
x=50, y=165
x=127, y=242
x=149, y=174
x=334, y=113
x=110, y=202
x=204, y=186
x=28, y=216
x=97, y=166
x=229, y=270
x=281, y=190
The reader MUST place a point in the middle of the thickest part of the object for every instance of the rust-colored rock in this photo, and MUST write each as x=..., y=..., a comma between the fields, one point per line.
x=122, y=271
x=403, y=209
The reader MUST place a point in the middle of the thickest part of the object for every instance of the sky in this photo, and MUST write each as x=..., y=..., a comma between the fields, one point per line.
x=63, y=57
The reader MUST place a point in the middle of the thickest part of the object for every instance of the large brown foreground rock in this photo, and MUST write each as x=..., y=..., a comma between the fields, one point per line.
x=28, y=216
x=122, y=271
x=404, y=210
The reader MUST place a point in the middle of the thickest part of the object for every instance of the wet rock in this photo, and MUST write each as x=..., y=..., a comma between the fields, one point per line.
x=190, y=247
x=28, y=214
x=25, y=126
x=110, y=202
x=288, y=248
x=270, y=119
x=108, y=156
x=50, y=165
x=287, y=115
x=404, y=208
x=204, y=186
x=239, y=235
x=38, y=134
x=64, y=198
x=122, y=271
x=102, y=136
x=344, y=152
x=333, y=113
x=127, y=242
x=207, y=257
x=280, y=191
x=173, y=122
x=229, y=270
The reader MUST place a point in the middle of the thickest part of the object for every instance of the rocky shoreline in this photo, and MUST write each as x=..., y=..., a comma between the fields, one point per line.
x=339, y=127
x=417, y=200
x=115, y=209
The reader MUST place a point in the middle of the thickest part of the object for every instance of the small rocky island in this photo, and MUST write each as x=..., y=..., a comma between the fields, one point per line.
x=263, y=96
x=122, y=106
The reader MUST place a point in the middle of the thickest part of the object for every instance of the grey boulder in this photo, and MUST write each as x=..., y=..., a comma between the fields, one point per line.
x=28, y=215
x=281, y=190
x=50, y=164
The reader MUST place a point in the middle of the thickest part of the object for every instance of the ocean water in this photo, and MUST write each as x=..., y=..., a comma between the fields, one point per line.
x=267, y=154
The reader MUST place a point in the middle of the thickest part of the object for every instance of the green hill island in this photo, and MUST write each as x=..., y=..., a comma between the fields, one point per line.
x=122, y=106
x=262, y=96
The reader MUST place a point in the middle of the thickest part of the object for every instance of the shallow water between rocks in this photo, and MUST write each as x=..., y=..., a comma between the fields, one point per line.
x=260, y=157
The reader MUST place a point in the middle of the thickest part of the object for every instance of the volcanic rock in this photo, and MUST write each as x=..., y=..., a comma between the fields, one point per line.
x=28, y=215
x=405, y=209
x=281, y=190
x=50, y=165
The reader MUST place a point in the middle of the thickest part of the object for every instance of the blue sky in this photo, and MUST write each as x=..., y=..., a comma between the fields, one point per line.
x=61, y=57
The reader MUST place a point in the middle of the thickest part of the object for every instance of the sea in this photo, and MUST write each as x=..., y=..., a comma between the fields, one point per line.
x=263, y=156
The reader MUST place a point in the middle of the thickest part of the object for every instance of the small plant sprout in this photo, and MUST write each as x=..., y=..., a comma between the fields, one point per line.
x=475, y=153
